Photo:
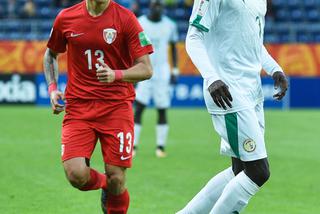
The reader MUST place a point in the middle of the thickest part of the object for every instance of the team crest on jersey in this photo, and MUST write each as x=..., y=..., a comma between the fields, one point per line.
x=249, y=145
x=109, y=35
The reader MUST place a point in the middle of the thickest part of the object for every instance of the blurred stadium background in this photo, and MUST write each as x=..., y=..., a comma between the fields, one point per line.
x=291, y=34
x=31, y=180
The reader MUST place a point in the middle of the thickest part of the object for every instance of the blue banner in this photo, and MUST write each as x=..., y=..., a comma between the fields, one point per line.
x=302, y=93
x=188, y=92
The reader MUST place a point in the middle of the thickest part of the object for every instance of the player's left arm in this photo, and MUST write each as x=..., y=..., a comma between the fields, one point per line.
x=139, y=47
x=174, y=54
x=273, y=69
x=141, y=70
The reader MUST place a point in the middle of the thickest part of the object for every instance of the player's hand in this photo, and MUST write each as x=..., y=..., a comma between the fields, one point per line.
x=55, y=96
x=280, y=81
x=104, y=73
x=220, y=94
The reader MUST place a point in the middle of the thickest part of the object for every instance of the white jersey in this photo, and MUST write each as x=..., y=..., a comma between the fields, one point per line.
x=225, y=41
x=161, y=34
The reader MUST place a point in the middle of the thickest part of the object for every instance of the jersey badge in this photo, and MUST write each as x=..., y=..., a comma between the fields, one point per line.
x=201, y=12
x=144, y=39
x=109, y=35
x=249, y=145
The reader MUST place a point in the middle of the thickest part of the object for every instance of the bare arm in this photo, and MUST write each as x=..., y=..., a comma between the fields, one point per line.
x=173, y=48
x=51, y=72
x=50, y=65
x=141, y=70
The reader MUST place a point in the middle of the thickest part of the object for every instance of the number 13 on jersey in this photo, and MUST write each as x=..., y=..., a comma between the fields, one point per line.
x=97, y=53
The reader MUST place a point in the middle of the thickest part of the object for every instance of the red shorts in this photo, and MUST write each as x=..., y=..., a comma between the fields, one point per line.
x=110, y=122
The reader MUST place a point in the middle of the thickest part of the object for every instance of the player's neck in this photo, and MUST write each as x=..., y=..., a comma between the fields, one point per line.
x=96, y=8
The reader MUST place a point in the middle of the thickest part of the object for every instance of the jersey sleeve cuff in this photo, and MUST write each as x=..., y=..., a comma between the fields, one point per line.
x=212, y=79
x=55, y=49
x=147, y=50
x=276, y=70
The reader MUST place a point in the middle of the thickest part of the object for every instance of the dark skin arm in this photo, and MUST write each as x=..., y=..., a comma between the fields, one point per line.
x=51, y=72
x=173, y=49
x=222, y=98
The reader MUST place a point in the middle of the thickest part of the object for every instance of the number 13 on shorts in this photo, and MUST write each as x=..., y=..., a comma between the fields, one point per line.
x=125, y=138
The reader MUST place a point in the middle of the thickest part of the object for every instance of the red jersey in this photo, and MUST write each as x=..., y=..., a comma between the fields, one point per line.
x=115, y=36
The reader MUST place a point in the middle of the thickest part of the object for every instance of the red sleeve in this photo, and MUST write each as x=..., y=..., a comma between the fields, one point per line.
x=139, y=43
x=57, y=41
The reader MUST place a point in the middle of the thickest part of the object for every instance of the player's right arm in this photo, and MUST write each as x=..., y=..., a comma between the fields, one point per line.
x=51, y=72
x=56, y=44
x=203, y=17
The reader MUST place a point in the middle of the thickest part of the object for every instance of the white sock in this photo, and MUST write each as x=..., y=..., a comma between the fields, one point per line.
x=162, y=134
x=207, y=197
x=137, y=130
x=235, y=195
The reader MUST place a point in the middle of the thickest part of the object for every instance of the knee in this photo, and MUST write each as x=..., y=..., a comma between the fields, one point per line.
x=162, y=116
x=116, y=182
x=262, y=176
x=77, y=177
x=259, y=172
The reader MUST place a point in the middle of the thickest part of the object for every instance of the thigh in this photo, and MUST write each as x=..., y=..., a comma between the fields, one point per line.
x=78, y=139
x=116, y=134
x=237, y=165
x=143, y=92
x=161, y=93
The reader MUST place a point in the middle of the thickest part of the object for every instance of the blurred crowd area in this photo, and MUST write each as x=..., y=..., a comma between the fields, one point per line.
x=287, y=21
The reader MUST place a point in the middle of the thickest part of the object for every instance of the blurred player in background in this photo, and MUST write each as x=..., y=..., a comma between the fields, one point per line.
x=107, y=51
x=163, y=32
x=225, y=42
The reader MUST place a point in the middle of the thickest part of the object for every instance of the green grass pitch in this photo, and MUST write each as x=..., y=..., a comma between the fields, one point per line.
x=32, y=180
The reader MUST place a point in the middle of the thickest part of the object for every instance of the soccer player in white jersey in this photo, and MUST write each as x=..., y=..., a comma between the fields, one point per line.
x=163, y=33
x=225, y=42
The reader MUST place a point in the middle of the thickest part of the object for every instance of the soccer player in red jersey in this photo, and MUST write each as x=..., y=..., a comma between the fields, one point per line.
x=107, y=51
